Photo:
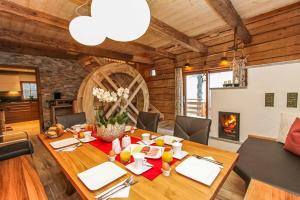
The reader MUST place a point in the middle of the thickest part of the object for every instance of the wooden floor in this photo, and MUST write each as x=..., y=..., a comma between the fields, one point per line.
x=55, y=182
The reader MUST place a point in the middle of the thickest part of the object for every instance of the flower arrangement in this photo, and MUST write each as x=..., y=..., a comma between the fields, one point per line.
x=114, y=126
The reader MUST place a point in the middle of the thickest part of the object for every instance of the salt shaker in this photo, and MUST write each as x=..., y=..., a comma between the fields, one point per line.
x=126, y=141
x=116, y=146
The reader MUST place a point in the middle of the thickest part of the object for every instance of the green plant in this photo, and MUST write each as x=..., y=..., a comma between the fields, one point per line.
x=101, y=120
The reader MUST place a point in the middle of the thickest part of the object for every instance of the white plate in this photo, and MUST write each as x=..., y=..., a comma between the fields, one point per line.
x=157, y=156
x=78, y=126
x=138, y=171
x=87, y=139
x=149, y=142
x=169, y=139
x=101, y=175
x=64, y=143
x=199, y=170
x=181, y=155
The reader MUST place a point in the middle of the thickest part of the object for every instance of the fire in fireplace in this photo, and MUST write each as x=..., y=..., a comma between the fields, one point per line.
x=229, y=125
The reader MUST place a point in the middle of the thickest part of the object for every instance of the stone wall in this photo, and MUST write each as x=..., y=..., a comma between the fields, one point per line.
x=56, y=75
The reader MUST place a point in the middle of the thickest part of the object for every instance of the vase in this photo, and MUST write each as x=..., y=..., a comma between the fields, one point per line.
x=111, y=132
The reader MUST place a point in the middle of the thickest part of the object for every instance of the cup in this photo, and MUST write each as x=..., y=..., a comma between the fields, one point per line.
x=177, y=147
x=146, y=137
x=139, y=160
x=87, y=134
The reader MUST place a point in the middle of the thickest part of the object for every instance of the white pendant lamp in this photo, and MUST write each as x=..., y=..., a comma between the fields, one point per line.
x=125, y=20
x=85, y=30
x=120, y=20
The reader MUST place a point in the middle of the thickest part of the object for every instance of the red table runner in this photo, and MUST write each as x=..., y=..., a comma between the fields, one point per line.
x=150, y=174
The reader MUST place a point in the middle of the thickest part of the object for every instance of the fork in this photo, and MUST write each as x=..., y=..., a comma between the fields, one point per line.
x=129, y=181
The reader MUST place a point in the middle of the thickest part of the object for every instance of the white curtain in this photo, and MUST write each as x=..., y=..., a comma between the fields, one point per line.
x=178, y=91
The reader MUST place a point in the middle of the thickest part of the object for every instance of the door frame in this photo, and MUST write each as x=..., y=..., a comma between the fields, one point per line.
x=38, y=84
x=185, y=74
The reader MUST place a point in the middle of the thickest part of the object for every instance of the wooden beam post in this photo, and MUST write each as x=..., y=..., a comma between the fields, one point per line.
x=227, y=11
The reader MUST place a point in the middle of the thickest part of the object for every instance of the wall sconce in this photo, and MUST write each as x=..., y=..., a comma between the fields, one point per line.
x=224, y=62
x=153, y=72
x=187, y=66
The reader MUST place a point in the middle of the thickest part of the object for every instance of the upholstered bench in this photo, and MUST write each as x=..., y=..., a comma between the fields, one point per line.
x=267, y=161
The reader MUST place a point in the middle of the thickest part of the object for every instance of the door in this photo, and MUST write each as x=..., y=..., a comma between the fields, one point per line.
x=196, y=95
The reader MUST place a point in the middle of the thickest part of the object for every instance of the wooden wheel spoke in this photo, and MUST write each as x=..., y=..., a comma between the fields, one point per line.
x=102, y=78
x=132, y=96
x=117, y=103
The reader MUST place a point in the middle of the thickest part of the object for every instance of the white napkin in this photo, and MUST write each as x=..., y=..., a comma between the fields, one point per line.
x=124, y=193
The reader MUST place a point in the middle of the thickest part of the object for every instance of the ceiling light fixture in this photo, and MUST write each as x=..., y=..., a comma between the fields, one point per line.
x=119, y=20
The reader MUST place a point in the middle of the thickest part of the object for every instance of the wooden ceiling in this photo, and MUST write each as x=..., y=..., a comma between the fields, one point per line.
x=44, y=24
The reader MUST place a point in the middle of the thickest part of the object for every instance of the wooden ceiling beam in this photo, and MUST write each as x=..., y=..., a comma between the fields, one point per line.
x=26, y=39
x=10, y=8
x=176, y=36
x=229, y=14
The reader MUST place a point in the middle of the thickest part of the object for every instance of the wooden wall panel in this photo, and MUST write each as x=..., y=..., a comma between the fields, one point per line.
x=275, y=38
x=162, y=87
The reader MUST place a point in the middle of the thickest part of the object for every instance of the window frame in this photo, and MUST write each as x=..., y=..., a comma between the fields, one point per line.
x=30, y=82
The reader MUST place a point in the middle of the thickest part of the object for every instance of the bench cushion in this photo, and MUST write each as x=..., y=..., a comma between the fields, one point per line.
x=267, y=161
x=16, y=149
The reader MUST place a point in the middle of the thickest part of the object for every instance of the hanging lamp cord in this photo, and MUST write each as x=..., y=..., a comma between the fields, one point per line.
x=81, y=6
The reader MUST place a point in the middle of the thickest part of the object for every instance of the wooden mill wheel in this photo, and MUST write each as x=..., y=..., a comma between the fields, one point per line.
x=111, y=77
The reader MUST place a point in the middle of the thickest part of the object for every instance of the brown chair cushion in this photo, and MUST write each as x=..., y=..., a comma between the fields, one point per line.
x=192, y=128
x=267, y=161
x=148, y=121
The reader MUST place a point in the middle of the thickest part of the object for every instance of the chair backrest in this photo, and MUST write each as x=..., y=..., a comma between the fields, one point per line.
x=70, y=120
x=192, y=128
x=148, y=121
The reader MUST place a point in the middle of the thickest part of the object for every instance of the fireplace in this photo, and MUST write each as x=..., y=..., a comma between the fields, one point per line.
x=229, y=125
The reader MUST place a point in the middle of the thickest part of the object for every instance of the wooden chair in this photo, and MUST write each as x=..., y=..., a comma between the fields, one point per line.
x=193, y=129
x=148, y=121
x=70, y=120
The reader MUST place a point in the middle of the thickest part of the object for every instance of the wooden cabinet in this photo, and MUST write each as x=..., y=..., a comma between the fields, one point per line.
x=21, y=111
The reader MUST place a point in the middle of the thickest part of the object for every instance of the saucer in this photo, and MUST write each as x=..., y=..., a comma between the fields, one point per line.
x=138, y=171
x=181, y=155
x=147, y=143
x=86, y=139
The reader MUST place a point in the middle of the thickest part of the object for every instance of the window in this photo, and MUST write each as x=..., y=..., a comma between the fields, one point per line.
x=29, y=90
x=216, y=79
x=195, y=95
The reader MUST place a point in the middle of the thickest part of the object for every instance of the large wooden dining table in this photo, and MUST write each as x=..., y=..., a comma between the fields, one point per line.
x=175, y=187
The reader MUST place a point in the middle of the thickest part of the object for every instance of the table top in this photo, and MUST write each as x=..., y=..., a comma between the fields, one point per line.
x=258, y=190
x=19, y=180
x=173, y=187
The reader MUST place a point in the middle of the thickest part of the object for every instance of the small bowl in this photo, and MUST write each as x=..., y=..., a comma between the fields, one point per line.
x=112, y=158
x=166, y=173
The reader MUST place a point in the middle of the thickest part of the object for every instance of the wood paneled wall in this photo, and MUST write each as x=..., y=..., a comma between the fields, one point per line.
x=275, y=38
x=162, y=86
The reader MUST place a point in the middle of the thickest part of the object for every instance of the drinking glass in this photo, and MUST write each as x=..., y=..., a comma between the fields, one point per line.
x=125, y=156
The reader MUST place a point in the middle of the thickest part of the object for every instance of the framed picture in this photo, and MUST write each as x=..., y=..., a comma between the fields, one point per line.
x=292, y=100
x=269, y=99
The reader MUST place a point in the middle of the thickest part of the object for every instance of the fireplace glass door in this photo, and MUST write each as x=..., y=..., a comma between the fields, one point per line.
x=195, y=95
x=229, y=125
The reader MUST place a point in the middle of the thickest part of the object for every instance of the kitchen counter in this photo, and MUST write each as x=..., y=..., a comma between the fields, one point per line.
x=20, y=111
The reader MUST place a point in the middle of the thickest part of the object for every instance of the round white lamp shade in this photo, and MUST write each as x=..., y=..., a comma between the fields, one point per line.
x=124, y=20
x=87, y=31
